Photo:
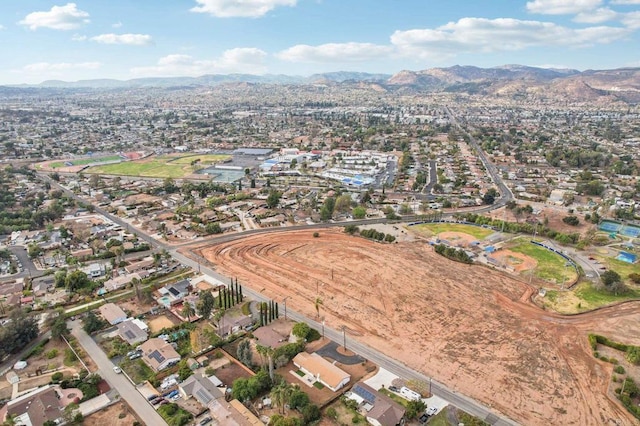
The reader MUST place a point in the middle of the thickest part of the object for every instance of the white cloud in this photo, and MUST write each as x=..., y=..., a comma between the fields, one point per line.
x=79, y=37
x=562, y=7
x=239, y=8
x=597, y=16
x=57, y=69
x=335, y=52
x=130, y=39
x=631, y=20
x=67, y=17
x=625, y=2
x=240, y=60
x=116, y=25
x=472, y=35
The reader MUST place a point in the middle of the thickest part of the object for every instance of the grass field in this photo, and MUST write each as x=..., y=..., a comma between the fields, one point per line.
x=437, y=228
x=585, y=297
x=622, y=268
x=165, y=166
x=203, y=159
x=551, y=266
x=83, y=161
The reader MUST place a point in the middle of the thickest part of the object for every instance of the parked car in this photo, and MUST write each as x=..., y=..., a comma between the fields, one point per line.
x=117, y=369
x=152, y=397
x=173, y=393
x=430, y=411
x=423, y=418
x=205, y=421
x=135, y=355
x=158, y=401
x=394, y=389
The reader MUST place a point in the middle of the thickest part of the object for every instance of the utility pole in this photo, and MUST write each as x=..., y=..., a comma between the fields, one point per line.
x=344, y=337
x=322, y=329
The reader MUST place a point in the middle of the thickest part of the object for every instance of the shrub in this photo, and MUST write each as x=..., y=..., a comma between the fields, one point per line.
x=52, y=354
x=57, y=377
x=332, y=413
x=316, y=234
x=619, y=369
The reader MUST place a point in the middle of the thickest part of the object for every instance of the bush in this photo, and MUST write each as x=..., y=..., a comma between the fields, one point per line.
x=316, y=234
x=57, y=377
x=619, y=369
x=332, y=413
x=52, y=354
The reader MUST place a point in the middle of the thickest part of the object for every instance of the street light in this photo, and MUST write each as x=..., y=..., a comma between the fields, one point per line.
x=322, y=329
x=285, y=306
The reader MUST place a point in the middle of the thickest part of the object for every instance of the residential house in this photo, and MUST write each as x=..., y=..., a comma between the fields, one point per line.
x=173, y=293
x=120, y=281
x=159, y=354
x=131, y=332
x=230, y=324
x=142, y=265
x=379, y=409
x=112, y=313
x=201, y=388
x=36, y=407
x=322, y=370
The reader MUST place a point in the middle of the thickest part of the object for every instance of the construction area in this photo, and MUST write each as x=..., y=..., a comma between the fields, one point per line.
x=471, y=327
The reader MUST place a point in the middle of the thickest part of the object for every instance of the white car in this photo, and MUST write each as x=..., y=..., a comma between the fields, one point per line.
x=117, y=369
x=431, y=411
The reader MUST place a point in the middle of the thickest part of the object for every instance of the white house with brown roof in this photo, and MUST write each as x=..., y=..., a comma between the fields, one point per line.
x=324, y=372
x=159, y=354
x=112, y=313
x=131, y=332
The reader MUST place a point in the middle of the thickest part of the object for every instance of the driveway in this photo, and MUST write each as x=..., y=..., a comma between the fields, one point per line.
x=28, y=268
x=119, y=382
x=330, y=351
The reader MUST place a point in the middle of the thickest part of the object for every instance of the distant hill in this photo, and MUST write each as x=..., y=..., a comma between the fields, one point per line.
x=621, y=85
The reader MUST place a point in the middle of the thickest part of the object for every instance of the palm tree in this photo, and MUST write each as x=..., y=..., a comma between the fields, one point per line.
x=187, y=310
x=317, y=304
x=136, y=285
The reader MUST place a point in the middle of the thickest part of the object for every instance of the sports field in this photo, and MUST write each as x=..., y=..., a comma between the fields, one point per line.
x=84, y=161
x=551, y=266
x=164, y=166
x=438, y=228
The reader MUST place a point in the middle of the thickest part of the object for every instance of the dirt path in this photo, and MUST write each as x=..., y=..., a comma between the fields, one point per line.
x=470, y=327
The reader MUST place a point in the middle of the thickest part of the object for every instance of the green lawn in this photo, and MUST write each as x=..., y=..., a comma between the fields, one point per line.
x=551, y=266
x=83, y=161
x=397, y=398
x=596, y=298
x=165, y=166
x=440, y=419
x=622, y=268
x=205, y=159
x=437, y=228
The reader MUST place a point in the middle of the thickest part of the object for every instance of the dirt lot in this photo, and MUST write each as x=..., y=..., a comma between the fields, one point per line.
x=157, y=324
x=518, y=261
x=468, y=326
x=117, y=414
x=458, y=239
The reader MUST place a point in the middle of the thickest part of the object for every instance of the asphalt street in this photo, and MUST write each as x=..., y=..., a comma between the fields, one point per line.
x=119, y=382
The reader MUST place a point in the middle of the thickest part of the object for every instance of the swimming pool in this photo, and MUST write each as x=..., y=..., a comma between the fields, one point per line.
x=165, y=300
x=627, y=257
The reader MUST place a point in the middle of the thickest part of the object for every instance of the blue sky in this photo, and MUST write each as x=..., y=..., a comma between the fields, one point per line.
x=124, y=39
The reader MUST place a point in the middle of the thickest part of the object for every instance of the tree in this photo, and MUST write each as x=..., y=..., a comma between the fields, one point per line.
x=59, y=327
x=359, y=212
x=343, y=203
x=273, y=198
x=301, y=330
x=17, y=333
x=414, y=408
x=244, y=353
x=76, y=280
x=610, y=277
x=317, y=304
x=92, y=323
x=187, y=311
x=206, y=304
x=571, y=220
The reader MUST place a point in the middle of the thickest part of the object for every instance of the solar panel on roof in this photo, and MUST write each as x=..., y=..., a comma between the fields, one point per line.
x=203, y=396
x=364, y=393
x=173, y=291
x=157, y=356
x=130, y=334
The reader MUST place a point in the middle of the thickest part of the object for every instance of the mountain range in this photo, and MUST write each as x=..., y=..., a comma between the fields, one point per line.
x=618, y=85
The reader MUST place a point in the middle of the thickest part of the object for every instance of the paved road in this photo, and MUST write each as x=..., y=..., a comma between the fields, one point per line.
x=28, y=268
x=119, y=382
x=433, y=177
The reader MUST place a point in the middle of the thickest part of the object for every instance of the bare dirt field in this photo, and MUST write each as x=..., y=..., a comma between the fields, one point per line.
x=518, y=261
x=470, y=327
x=458, y=239
x=118, y=414
x=157, y=324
